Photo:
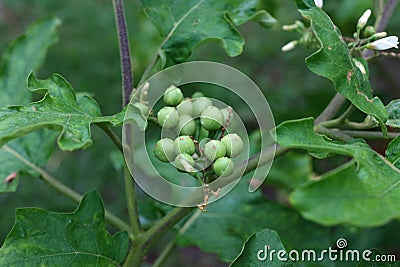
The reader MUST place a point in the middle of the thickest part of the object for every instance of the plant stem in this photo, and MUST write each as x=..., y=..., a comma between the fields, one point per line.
x=123, y=40
x=168, y=248
x=131, y=204
x=64, y=189
x=114, y=138
x=331, y=109
x=370, y=134
x=127, y=86
x=333, y=134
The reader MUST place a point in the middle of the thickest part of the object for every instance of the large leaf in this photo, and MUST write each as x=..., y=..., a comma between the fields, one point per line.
x=393, y=152
x=265, y=240
x=23, y=55
x=187, y=24
x=228, y=223
x=43, y=238
x=333, y=61
x=393, y=109
x=366, y=195
x=60, y=109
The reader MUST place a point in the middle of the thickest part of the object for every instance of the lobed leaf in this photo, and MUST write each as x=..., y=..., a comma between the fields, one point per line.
x=187, y=24
x=393, y=109
x=366, y=195
x=43, y=238
x=60, y=109
x=23, y=55
x=334, y=62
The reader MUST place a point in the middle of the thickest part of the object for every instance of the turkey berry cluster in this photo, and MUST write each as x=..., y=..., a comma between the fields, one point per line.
x=203, y=148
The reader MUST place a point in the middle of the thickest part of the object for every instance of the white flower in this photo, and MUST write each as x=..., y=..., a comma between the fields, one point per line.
x=364, y=19
x=384, y=43
x=319, y=3
x=289, y=46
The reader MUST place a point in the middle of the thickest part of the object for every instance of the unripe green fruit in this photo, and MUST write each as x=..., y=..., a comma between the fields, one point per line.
x=168, y=117
x=233, y=144
x=186, y=125
x=197, y=94
x=143, y=108
x=165, y=150
x=200, y=104
x=184, y=144
x=369, y=31
x=214, y=150
x=185, y=107
x=184, y=162
x=211, y=118
x=203, y=133
x=224, y=166
x=173, y=96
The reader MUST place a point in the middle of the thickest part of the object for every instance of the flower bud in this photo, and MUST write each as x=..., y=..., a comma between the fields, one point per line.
x=364, y=19
x=289, y=46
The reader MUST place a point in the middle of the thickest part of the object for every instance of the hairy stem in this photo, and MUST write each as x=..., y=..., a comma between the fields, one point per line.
x=64, y=189
x=126, y=65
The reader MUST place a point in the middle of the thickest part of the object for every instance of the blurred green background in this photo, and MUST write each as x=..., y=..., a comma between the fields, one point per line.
x=87, y=56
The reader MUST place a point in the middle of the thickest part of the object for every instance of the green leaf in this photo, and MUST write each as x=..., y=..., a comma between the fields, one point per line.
x=35, y=148
x=334, y=62
x=393, y=152
x=43, y=238
x=228, y=223
x=188, y=24
x=291, y=170
x=23, y=55
x=265, y=240
x=393, y=109
x=60, y=109
x=366, y=195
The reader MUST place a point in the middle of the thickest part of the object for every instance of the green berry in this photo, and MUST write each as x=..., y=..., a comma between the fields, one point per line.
x=186, y=125
x=224, y=166
x=200, y=104
x=168, y=117
x=185, y=107
x=203, y=133
x=184, y=144
x=165, y=150
x=369, y=31
x=184, y=162
x=143, y=108
x=211, y=118
x=214, y=150
x=197, y=94
x=233, y=144
x=172, y=96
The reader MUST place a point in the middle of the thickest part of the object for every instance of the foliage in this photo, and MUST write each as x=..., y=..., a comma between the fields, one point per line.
x=336, y=184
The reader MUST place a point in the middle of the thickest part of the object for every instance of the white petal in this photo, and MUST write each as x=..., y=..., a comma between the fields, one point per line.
x=364, y=19
x=319, y=3
x=385, y=43
x=289, y=46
